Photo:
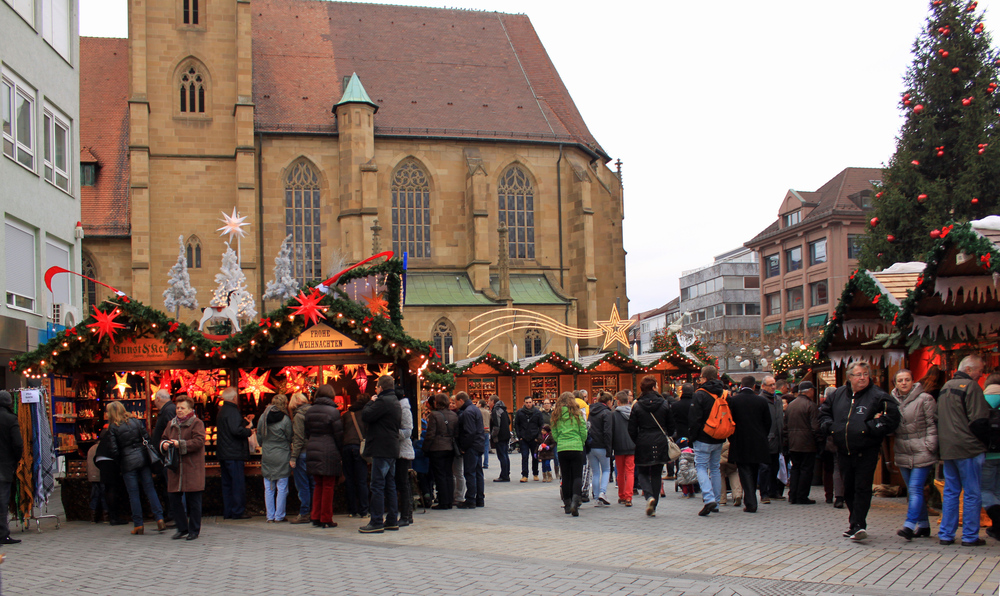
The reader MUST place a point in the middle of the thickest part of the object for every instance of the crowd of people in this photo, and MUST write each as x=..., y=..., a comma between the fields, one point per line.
x=759, y=439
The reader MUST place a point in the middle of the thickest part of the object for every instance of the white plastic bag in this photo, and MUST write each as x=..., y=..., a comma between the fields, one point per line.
x=782, y=469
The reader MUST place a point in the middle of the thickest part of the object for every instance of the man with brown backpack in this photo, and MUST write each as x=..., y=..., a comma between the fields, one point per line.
x=711, y=423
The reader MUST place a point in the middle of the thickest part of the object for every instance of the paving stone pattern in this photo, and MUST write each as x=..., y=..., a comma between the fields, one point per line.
x=521, y=543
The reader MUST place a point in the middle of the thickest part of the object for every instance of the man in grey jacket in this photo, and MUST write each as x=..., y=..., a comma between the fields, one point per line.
x=962, y=411
x=768, y=483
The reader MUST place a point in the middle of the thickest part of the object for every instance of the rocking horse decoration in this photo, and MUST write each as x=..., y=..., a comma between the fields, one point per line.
x=221, y=312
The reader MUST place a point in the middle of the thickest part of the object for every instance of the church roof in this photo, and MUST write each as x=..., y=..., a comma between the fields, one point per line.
x=433, y=72
x=355, y=93
x=455, y=289
x=104, y=207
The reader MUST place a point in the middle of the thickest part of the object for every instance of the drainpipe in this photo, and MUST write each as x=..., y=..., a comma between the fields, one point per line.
x=559, y=206
x=260, y=226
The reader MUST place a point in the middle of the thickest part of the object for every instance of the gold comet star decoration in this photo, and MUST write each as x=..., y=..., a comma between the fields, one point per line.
x=121, y=384
x=614, y=328
x=331, y=372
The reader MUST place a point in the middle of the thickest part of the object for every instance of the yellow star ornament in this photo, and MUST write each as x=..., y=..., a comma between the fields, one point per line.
x=614, y=328
x=121, y=384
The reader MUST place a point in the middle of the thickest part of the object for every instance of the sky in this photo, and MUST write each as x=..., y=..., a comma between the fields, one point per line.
x=715, y=109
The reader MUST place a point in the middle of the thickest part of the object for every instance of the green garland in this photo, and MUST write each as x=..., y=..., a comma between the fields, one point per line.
x=548, y=357
x=431, y=379
x=800, y=358
x=667, y=342
x=511, y=366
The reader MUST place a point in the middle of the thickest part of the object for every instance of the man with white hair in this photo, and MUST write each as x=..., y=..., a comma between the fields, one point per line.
x=962, y=426
x=858, y=416
x=233, y=450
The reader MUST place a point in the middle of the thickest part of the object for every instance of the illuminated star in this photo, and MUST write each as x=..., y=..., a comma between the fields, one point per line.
x=106, y=324
x=331, y=372
x=309, y=306
x=384, y=369
x=250, y=383
x=376, y=303
x=121, y=384
x=233, y=225
x=614, y=328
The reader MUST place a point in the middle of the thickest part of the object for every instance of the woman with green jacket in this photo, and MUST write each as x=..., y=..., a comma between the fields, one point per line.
x=569, y=429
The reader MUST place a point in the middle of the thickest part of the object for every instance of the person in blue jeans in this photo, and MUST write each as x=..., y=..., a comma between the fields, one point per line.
x=304, y=482
x=128, y=448
x=599, y=437
x=707, y=449
x=233, y=450
x=990, y=481
x=382, y=417
x=962, y=408
x=916, y=449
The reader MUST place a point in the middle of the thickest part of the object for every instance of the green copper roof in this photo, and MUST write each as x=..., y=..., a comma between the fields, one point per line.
x=355, y=93
x=455, y=289
x=529, y=289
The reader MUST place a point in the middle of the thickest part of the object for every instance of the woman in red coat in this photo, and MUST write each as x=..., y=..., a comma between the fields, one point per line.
x=187, y=482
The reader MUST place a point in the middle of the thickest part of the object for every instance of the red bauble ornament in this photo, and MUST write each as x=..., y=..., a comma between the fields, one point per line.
x=874, y=221
x=878, y=195
x=906, y=102
x=918, y=108
x=915, y=162
x=921, y=198
x=955, y=70
x=971, y=7
x=935, y=234
x=975, y=201
x=940, y=153
x=890, y=238
x=967, y=100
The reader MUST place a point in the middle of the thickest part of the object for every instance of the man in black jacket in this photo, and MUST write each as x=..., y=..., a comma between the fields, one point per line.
x=707, y=449
x=859, y=416
x=165, y=412
x=528, y=424
x=11, y=447
x=748, y=445
x=382, y=417
x=233, y=450
x=470, y=442
x=500, y=436
x=679, y=411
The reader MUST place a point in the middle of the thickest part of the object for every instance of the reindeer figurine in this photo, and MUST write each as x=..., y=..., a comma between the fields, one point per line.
x=221, y=312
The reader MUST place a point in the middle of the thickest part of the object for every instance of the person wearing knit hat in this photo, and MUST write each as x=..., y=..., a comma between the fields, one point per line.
x=11, y=446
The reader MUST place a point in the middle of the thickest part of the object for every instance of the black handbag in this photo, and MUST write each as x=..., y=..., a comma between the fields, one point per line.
x=172, y=458
x=153, y=458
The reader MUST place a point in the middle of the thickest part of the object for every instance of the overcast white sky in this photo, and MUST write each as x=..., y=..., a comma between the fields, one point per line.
x=716, y=109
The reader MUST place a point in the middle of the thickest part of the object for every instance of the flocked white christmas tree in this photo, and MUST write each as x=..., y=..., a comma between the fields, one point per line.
x=231, y=279
x=284, y=286
x=179, y=291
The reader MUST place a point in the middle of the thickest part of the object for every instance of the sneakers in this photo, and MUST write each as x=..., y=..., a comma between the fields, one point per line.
x=602, y=500
x=765, y=500
x=906, y=533
x=372, y=529
x=651, y=507
x=858, y=535
x=737, y=501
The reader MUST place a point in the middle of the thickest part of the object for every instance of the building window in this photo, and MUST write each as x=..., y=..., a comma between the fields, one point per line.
x=794, y=298
x=607, y=383
x=20, y=259
x=192, y=250
x=517, y=207
x=772, y=266
x=55, y=144
x=532, y=343
x=853, y=246
x=545, y=387
x=190, y=9
x=818, y=293
x=57, y=255
x=751, y=282
x=17, y=114
x=443, y=339
x=56, y=25
x=734, y=310
x=89, y=287
x=88, y=174
x=793, y=259
x=411, y=211
x=25, y=8
x=192, y=91
x=862, y=199
x=817, y=252
x=773, y=302
x=790, y=219
x=302, y=221
x=751, y=309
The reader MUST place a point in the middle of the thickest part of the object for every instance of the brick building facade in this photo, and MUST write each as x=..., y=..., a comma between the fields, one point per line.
x=319, y=119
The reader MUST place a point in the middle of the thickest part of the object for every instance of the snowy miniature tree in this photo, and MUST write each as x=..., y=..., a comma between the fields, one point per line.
x=179, y=291
x=231, y=279
x=284, y=286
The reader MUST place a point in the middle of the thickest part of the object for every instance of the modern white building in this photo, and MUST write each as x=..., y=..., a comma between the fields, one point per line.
x=648, y=323
x=39, y=170
x=721, y=303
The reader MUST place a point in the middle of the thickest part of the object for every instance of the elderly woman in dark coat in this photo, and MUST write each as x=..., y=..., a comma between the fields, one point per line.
x=442, y=427
x=274, y=431
x=324, y=440
x=185, y=484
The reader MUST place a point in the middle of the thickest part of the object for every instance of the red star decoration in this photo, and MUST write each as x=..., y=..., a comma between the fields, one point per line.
x=309, y=306
x=376, y=303
x=106, y=324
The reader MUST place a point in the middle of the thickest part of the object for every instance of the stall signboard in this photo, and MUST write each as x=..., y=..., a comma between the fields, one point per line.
x=144, y=350
x=321, y=338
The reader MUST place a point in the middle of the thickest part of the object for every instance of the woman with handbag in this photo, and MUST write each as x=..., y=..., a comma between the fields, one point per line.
x=650, y=427
x=569, y=429
x=274, y=430
x=439, y=445
x=183, y=446
x=324, y=440
x=131, y=449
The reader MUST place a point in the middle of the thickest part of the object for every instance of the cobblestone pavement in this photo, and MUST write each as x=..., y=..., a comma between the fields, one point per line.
x=521, y=543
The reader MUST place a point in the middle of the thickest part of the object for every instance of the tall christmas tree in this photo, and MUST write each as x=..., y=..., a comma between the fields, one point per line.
x=284, y=286
x=231, y=279
x=947, y=161
x=179, y=291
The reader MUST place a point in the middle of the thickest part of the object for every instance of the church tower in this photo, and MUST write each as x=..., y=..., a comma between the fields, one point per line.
x=191, y=144
x=358, y=172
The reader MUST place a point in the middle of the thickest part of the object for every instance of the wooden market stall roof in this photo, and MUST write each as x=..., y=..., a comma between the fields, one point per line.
x=553, y=362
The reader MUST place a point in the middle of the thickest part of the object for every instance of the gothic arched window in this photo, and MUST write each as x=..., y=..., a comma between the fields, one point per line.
x=411, y=210
x=89, y=287
x=302, y=221
x=193, y=252
x=517, y=208
x=192, y=90
x=532, y=342
x=443, y=337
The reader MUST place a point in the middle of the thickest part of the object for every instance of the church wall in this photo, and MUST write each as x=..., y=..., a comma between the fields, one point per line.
x=111, y=258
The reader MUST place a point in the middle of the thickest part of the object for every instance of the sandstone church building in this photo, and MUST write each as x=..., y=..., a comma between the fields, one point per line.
x=346, y=125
